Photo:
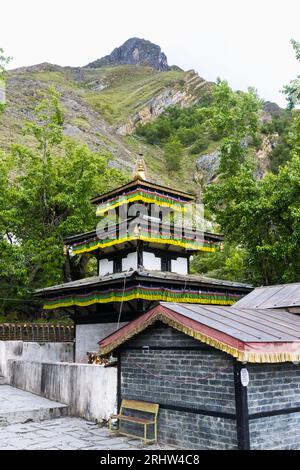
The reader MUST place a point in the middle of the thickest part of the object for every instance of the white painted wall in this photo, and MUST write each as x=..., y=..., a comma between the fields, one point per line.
x=87, y=337
x=60, y=352
x=130, y=261
x=179, y=266
x=151, y=262
x=8, y=350
x=89, y=390
x=105, y=267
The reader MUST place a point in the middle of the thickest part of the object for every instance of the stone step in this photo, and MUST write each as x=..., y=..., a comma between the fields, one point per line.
x=18, y=406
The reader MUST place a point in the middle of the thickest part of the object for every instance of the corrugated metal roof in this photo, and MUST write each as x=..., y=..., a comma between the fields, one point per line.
x=247, y=325
x=278, y=296
x=249, y=335
x=143, y=273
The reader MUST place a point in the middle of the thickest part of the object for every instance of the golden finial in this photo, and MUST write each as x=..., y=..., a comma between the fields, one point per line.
x=140, y=168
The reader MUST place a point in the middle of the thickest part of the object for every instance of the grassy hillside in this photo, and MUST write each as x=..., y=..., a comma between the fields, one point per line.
x=99, y=103
x=128, y=89
x=103, y=107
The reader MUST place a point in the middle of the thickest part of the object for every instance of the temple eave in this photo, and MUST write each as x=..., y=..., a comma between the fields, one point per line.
x=144, y=285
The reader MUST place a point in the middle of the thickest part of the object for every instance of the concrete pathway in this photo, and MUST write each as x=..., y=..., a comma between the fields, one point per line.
x=65, y=434
x=18, y=406
x=26, y=422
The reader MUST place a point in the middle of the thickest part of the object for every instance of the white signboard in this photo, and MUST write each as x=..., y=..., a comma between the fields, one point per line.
x=244, y=377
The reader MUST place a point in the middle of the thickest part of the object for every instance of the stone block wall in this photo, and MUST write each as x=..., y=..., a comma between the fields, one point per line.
x=194, y=387
x=196, y=392
x=274, y=389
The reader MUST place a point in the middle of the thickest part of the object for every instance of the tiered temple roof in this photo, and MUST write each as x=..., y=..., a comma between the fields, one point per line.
x=141, y=258
x=145, y=285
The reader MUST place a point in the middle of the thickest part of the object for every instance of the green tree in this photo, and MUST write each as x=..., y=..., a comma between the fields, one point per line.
x=173, y=152
x=292, y=90
x=46, y=198
x=229, y=118
x=230, y=263
x=12, y=261
x=233, y=119
x=3, y=63
x=279, y=128
x=262, y=217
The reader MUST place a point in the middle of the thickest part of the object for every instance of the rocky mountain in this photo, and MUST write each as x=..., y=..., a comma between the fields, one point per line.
x=102, y=106
x=272, y=108
x=106, y=100
x=134, y=51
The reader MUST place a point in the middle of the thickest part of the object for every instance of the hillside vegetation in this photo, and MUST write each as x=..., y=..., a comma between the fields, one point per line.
x=122, y=110
x=102, y=107
x=67, y=134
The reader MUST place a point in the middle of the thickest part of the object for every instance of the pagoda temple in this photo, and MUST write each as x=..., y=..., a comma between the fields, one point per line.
x=143, y=256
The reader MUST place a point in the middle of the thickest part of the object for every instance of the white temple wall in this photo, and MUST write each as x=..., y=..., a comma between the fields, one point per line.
x=130, y=261
x=88, y=336
x=34, y=351
x=105, y=267
x=179, y=266
x=89, y=390
x=151, y=262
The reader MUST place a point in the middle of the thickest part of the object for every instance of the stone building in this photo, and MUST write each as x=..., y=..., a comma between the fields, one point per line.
x=224, y=377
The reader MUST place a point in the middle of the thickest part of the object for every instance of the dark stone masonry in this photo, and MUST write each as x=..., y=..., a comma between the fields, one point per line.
x=274, y=388
x=184, y=382
x=195, y=387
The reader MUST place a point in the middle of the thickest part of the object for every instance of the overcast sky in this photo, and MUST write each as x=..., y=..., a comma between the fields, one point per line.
x=246, y=42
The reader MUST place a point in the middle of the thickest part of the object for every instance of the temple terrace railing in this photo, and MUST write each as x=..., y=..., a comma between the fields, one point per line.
x=37, y=332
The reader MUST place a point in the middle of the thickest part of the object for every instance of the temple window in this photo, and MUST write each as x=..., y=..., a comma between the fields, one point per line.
x=117, y=265
x=166, y=264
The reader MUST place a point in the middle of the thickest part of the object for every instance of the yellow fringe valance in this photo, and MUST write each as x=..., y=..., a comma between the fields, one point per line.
x=160, y=201
x=192, y=245
x=161, y=296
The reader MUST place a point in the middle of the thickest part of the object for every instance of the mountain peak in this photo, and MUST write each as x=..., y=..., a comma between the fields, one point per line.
x=134, y=51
